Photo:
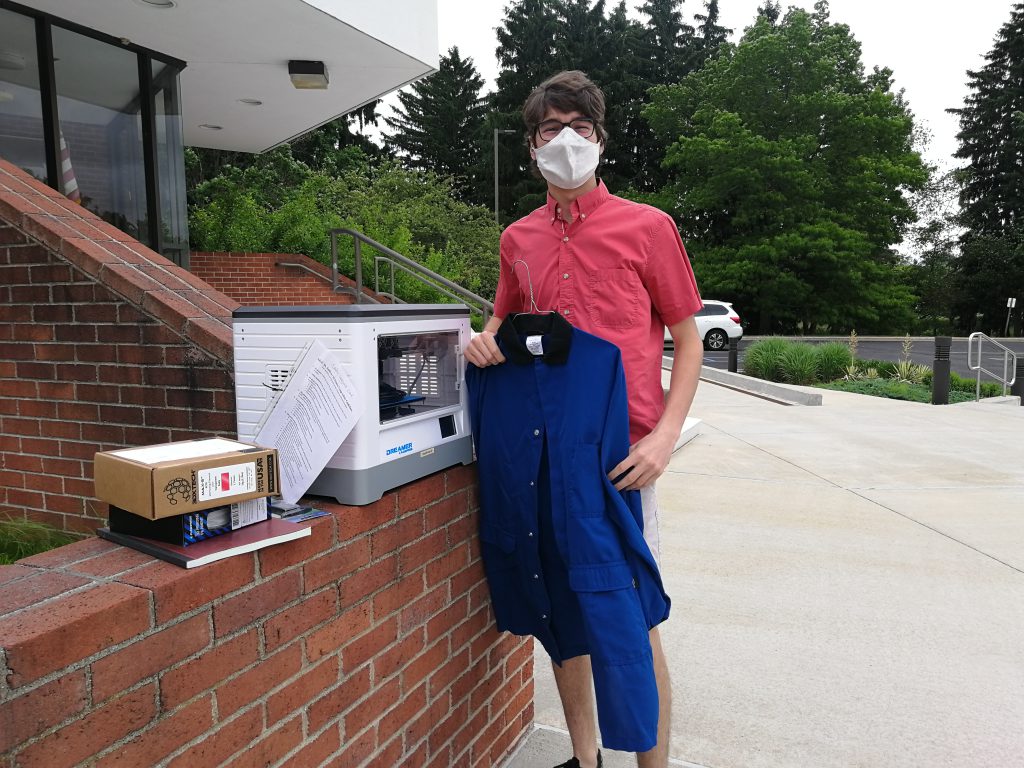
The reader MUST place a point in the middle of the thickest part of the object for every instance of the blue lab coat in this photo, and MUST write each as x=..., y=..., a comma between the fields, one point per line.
x=567, y=407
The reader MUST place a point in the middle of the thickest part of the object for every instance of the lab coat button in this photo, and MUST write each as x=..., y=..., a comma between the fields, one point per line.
x=535, y=433
x=529, y=534
x=536, y=575
x=531, y=483
x=544, y=616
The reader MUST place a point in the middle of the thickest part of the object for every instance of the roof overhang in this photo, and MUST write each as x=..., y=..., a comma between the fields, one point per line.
x=239, y=49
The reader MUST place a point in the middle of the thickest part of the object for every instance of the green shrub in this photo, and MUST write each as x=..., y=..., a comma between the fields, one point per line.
x=800, y=364
x=958, y=383
x=23, y=538
x=899, y=390
x=764, y=358
x=834, y=358
x=883, y=368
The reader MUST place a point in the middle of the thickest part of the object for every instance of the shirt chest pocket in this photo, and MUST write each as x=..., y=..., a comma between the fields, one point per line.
x=614, y=297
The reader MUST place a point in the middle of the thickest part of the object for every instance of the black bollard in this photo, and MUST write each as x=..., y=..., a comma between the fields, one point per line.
x=734, y=354
x=1018, y=385
x=940, y=370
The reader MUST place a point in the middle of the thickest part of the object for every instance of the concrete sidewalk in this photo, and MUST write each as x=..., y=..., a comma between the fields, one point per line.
x=847, y=584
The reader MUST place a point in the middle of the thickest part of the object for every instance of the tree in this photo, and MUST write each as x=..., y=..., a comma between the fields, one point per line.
x=710, y=36
x=438, y=125
x=281, y=205
x=325, y=148
x=990, y=267
x=789, y=170
x=933, y=251
x=770, y=12
x=992, y=136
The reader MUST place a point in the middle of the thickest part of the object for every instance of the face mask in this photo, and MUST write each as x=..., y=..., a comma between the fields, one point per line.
x=568, y=160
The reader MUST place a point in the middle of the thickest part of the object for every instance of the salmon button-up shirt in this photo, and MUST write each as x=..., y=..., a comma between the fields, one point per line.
x=618, y=270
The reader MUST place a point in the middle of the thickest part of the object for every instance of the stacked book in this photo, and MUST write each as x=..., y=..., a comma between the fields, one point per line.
x=192, y=502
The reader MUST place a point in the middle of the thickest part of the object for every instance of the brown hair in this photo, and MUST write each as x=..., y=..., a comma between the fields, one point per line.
x=569, y=91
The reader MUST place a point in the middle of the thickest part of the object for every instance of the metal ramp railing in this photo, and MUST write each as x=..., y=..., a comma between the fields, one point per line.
x=1009, y=375
x=393, y=260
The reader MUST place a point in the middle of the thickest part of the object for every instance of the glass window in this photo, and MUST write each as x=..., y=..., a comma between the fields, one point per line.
x=99, y=108
x=21, y=107
x=417, y=373
x=170, y=161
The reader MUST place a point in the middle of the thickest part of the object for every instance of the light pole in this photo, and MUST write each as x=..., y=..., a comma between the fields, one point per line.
x=496, y=132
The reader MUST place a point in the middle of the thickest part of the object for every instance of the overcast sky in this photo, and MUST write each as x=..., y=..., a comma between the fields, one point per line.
x=927, y=45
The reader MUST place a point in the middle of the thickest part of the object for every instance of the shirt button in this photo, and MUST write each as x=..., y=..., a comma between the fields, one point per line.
x=536, y=432
x=565, y=276
x=565, y=239
x=565, y=311
x=583, y=215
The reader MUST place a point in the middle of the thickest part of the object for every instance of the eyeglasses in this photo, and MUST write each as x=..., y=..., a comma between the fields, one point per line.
x=549, y=129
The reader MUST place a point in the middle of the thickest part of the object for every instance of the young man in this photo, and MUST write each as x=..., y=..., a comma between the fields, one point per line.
x=618, y=270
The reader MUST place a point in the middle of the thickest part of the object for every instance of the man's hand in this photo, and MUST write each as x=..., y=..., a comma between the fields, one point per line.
x=648, y=457
x=482, y=350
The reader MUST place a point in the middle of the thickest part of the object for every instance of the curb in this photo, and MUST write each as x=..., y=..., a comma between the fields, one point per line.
x=759, y=387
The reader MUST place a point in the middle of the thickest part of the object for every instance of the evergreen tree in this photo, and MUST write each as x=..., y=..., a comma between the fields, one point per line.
x=526, y=55
x=438, y=125
x=710, y=35
x=770, y=12
x=991, y=264
x=668, y=42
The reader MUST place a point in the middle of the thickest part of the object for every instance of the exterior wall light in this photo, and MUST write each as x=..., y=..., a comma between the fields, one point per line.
x=308, y=74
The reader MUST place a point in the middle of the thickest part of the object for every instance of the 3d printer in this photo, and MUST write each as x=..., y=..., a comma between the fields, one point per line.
x=407, y=360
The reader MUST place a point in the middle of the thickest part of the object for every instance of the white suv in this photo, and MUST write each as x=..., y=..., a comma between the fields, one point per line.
x=717, y=322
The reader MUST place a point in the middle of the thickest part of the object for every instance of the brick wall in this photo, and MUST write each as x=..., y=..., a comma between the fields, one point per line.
x=103, y=344
x=370, y=643
x=256, y=279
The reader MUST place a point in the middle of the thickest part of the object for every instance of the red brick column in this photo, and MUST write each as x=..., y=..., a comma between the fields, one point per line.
x=369, y=643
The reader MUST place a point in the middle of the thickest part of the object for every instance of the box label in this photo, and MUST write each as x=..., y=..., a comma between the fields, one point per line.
x=248, y=512
x=218, y=482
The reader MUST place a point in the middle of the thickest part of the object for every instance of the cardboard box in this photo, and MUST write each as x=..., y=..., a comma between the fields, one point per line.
x=192, y=527
x=188, y=476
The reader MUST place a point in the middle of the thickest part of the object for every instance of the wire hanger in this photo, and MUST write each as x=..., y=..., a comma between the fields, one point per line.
x=529, y=282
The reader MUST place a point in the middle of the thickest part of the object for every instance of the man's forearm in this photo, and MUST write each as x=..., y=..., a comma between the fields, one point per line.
x=689, y=355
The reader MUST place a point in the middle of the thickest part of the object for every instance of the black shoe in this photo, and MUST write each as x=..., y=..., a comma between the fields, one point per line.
x=575, y=763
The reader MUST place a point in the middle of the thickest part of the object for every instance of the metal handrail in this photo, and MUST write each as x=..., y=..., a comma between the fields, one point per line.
x=1009, y=363
x=428, y=277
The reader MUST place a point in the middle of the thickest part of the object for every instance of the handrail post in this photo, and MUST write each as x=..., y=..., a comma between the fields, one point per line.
x=359, y=270
x=334, y=262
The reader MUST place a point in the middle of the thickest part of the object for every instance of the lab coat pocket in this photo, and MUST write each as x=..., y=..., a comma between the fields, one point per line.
x=586, y=486
x=601, y=577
